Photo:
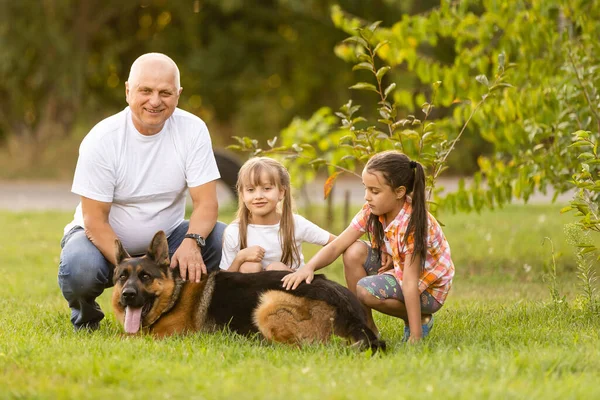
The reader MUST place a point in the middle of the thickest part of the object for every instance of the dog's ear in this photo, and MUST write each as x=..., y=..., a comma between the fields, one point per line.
x=120, y=252
x=159, y=249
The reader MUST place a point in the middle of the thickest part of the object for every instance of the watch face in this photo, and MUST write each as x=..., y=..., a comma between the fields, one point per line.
x=199, y=239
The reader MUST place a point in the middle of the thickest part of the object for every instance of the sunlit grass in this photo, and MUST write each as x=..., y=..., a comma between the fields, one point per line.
x=499, y=335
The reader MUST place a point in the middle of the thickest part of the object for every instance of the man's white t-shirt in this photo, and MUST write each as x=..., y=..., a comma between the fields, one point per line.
x=144, y=177
x=267, y=237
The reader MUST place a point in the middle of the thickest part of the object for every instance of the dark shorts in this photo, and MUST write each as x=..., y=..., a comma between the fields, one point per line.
x=386, y=286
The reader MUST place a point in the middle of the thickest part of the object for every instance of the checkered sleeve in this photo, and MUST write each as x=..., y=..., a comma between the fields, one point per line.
x=359, y=222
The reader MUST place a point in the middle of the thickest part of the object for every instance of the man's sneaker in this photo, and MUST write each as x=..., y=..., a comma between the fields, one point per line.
x=87, y=327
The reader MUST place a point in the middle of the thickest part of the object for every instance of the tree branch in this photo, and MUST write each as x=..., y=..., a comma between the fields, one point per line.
x=585, y=93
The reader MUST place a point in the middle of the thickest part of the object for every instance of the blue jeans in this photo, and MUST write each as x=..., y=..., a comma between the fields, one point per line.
x=84, y=273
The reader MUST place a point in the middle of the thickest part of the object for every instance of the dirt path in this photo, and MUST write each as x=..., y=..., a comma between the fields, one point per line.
x=27, y=195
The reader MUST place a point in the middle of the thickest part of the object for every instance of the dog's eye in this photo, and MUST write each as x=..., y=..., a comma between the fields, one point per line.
x=145, y=277
x=123, y=277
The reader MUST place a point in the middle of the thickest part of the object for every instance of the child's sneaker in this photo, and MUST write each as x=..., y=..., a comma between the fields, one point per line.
x=426, y=329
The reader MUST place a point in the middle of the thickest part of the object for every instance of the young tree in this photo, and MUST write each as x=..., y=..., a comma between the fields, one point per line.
x=544, y=125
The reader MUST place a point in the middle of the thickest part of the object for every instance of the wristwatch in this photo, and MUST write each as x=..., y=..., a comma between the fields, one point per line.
x=199, y=239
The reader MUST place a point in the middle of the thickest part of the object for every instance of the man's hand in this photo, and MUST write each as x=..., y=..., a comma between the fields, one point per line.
x=189, y=260
x=387, y=263
x=291, y=281
x=252, y=254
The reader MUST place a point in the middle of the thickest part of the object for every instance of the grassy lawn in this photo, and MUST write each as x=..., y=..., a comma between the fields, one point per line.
x=499, y=335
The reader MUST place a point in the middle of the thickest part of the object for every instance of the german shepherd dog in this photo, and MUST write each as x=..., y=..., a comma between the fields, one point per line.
x=151, y=297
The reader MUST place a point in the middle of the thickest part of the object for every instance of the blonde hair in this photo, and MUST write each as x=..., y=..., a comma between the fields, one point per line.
x=250, y=174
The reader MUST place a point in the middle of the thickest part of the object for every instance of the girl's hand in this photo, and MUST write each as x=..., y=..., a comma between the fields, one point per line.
x=252, y=254
x=387, y=263
x=291, y=281
x=414, y=339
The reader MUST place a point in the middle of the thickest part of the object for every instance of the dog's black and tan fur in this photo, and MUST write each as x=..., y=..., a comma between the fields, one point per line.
x=246, y=303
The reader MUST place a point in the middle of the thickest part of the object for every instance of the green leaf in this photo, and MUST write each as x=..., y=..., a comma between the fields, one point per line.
x=380, y=45
x=588, y=250
x=585, y=155
x=580, y=144
x=428, y=126
x=363, y=65
x=500, y=86
x=389, y=89
x=318, y=162
x=353, y=109
x=381, y=72
x=250, y=143
x=357, y=40
x=501, y=60
x=364, y=86
x=426, y=108
x=374, y=26
x=581, y=134
x=384, y=113
x=483, y=80
x=348, y=158
x=238, y=139
x=410, y=134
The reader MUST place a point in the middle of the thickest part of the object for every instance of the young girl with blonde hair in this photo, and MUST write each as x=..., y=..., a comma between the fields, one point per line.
x=406, y=270
x=264, y=237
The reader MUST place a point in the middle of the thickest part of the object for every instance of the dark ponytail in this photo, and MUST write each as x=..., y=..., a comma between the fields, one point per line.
x=398, y=170
x=418, y=219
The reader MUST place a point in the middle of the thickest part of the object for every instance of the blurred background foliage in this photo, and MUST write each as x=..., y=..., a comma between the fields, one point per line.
x=247, y=66
x=265, y=68
x=521, y=76
x=260, y=69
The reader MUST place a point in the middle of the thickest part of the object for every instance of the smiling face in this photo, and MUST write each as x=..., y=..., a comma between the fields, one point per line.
x=261, y=197
x=152, y=92
x=382, y=198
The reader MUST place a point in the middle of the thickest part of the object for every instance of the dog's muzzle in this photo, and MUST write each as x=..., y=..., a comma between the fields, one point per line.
x=129, y=297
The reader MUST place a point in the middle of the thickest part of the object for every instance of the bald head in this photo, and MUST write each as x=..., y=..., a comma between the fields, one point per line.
x=152, y=92
x=153, y=61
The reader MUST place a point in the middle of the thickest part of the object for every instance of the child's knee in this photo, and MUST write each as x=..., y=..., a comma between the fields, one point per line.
x=366, y=297
x=355, y=255
x=250, y=267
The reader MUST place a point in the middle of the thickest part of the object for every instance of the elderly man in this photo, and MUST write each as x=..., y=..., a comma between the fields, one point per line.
x=133, y=172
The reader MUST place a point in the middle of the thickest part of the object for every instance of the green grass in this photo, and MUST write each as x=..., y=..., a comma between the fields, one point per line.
x=499, y=335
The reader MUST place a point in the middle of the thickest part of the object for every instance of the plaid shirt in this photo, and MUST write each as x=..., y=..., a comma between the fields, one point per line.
x=437, y=275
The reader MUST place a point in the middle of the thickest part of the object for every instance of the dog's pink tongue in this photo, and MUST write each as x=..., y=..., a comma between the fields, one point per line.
x=133, y=318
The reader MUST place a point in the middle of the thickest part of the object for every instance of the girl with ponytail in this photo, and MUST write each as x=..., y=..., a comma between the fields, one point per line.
x=267, y=235
x=405, y=269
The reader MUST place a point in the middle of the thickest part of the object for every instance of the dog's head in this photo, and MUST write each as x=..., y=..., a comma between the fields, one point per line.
x=143, y=285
